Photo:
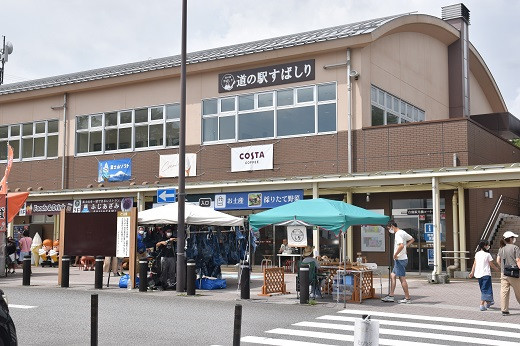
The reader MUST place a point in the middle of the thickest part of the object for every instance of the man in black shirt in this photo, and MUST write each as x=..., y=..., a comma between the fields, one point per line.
x=168, y=261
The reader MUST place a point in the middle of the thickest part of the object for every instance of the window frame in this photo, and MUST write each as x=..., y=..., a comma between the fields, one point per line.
x=407, y=112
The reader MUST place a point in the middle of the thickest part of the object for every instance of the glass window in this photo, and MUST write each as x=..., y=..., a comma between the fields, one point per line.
x=172, y=133
x=111, y=139
x=96, y=120
x=327, y=117
x=27, y=129
x=295, y=121
x=125, y=138
x=403, y=108
x=111, y=119
x=81, y=123
x=392, y=118
x=173, y=112
x=256, y=125
x=3, y=150
x=246, y=102
x=39, y=147
x=373, y=95
x=305, y=94
x=210, y=129
x=125, y=117
x=156, y=113
x=421, y=115
x=52, y=126
x=226, y=128
x=141, y=115
x=381, y=99
x=82, y=142
x=141, y=137
x=227, y=105
x=4, y=132
x=265, y=100
x=39, y=127
x=209, y=107
x=284, y=98
x=396, y=105
x=27, y=148
x=16, y=148
x=95, y=141
x=156, y=135
x=327, y=92
x=52, y=146
x=378, y=116
x=15, y=130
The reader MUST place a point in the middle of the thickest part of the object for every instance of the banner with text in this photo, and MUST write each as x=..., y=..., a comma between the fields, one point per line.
x=256, y=200
x=114, y=170
x=123, y=234
x=252, y=158
x=297, y=236
x=169, y=165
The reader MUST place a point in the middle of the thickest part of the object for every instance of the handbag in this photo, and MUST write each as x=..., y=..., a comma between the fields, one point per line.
x=511, y=271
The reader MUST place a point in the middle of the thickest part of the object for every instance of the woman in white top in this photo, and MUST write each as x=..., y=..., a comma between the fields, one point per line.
x=482, y=271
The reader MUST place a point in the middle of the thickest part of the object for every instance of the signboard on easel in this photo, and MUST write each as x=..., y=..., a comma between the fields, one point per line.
x=297, y=236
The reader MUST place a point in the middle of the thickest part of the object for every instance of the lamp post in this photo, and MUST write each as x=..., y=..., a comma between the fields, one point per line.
x=181, y=254
x=7, y=48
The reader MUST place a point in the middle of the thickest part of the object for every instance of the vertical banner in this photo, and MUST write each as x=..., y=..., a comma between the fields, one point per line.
x=297, y=236
x=169, y=165
x=123, y=234
x=3, y=183
x=3, y=213
x=372, y=239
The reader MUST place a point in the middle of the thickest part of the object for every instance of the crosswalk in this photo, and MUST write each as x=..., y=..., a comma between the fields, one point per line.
x=394, y=329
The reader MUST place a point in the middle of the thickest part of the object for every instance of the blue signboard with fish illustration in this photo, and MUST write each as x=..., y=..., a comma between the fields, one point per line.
x=114, y=170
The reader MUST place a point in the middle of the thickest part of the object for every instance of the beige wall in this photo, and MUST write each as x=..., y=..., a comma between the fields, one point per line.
x=479, y=103
x=411, y=66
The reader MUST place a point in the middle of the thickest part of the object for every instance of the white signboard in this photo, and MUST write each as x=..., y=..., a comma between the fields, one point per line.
x=297, y=236
x=372, y=239
x=252, y=158
x=123, y=234
x=169, y=165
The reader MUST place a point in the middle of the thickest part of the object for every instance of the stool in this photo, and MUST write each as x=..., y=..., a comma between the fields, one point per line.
x=266, y=262
x=89, y=263
x=288, y=265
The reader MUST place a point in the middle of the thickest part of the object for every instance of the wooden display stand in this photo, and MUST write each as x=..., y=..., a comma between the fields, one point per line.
x=274, y=282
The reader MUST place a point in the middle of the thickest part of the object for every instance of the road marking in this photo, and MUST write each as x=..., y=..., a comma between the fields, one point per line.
x=429, y=326
x=341, y=337
x=14, y=306
x=278, y=342
x=411, y=334
x=432, y=318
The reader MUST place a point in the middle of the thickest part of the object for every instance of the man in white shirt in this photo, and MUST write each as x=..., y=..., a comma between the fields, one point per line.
x=402, y=240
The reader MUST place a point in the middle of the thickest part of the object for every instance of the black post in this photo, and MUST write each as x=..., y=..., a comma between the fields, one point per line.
x=98, y=267
x=143, y=275
x=65, y=270
x=237, y=325
x=94, y=320
x=27, y=270
x=244, y=282
x=191, y=276
x=304, y=284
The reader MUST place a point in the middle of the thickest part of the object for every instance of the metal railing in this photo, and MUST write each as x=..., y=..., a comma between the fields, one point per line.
x=493, y=221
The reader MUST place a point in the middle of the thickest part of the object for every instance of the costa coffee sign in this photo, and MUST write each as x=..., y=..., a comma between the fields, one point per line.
x=252, y=158
x=266, y=76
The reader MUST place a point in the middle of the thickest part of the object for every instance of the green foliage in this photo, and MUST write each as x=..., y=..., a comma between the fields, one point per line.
x=516, y=142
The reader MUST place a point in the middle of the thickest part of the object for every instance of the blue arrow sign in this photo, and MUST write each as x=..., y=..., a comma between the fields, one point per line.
x=166, y=195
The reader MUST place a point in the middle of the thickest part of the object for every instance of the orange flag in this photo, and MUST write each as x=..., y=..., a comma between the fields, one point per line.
x=3, y=182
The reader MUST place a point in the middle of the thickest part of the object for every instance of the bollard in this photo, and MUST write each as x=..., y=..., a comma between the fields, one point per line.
x=143, y=275
x=237, y=326
x=65, y=270
x=244, y=281
x=304, y=284
x=191, y=277
x=98, y=281
x=94, y=320
x=366, y=331
x=27, y=270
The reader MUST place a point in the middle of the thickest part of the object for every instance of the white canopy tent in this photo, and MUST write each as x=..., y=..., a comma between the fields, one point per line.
x=193, y=215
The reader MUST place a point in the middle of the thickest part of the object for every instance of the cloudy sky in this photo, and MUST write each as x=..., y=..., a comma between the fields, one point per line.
x=54, y=37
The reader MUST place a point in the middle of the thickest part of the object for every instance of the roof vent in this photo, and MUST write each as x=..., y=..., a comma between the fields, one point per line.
x=455, y=11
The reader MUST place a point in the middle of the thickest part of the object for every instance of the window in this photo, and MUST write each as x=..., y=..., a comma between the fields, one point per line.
x=149, y=127
x=297, y=111
x=388, y=109
x=35, y=140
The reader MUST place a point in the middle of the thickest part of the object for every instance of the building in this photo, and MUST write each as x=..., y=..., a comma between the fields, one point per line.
x=285, y=117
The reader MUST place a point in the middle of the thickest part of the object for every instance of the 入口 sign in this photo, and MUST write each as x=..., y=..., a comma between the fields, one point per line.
x=252, y=158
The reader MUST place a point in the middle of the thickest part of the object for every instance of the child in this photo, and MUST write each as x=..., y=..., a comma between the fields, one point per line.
x=481, y=270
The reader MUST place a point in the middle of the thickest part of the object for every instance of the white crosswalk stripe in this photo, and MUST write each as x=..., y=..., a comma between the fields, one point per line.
x=394, y=329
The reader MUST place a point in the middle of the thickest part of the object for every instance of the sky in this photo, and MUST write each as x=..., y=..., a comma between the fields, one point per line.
x=55, y=37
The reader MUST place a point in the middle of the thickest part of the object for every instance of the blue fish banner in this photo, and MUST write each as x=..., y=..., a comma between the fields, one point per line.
x=114, y=170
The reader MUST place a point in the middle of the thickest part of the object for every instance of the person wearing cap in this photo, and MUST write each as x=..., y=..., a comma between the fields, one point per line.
x=308, y=258
x=508, y=255
x=401, y=241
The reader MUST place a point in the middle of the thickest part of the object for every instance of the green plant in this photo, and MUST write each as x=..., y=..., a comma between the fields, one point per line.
x=312, y=302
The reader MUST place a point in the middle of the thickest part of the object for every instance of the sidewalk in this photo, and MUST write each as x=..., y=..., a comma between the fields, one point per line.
x=460, y=298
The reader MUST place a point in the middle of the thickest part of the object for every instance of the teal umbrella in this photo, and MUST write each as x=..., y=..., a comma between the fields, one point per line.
x=335, y=216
